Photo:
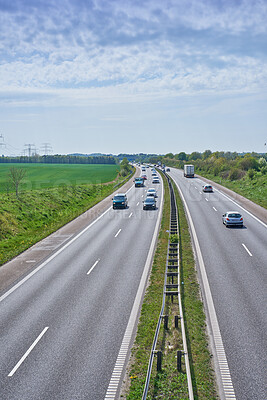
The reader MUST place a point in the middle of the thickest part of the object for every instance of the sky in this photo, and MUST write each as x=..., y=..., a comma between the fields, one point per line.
x=133, y=76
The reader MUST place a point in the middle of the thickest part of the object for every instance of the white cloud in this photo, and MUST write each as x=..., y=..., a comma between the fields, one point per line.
x=75, y=54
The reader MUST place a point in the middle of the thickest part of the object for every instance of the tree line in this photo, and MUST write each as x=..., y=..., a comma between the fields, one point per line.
x=60, y=159
x=228, y=165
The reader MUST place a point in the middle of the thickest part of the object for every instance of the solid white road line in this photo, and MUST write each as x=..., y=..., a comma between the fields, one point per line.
x=95, y=264
x=245, y=247
x=253, y=216
x=117, y=234
x=27, y=352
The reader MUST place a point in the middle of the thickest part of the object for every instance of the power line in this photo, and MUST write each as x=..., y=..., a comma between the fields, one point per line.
x=29, y=148
x=46, y=148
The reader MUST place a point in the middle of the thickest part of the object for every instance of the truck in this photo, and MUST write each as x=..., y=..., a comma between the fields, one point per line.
x=189, y=171
x=139, y=182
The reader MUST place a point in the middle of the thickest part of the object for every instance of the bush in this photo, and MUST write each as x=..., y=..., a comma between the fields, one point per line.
x=174, y=238
x=235, y=174
x=251, y=173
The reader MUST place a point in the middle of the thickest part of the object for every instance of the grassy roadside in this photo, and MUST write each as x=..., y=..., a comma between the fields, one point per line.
x=254, y=189
x=38, y=213
x=169, y=383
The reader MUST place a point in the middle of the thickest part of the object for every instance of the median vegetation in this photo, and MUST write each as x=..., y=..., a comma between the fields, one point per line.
x=169, y=383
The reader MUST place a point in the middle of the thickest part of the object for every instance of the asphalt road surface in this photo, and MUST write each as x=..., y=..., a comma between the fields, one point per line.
x=235, y=263
x=62, y=329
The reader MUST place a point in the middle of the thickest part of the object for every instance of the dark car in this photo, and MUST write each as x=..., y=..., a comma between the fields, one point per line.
x=120, y=201
x=207, y=188
x=232, y=218
x=149, y=203
x=168, y=170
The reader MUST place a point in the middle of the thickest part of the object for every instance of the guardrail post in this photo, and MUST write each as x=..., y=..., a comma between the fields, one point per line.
x=159, y=360
x=176, y=321
x=166, y=319
x=179, y=360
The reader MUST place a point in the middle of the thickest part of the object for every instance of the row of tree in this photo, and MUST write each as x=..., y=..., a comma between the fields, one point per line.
x=228, y=165
x=60, y=159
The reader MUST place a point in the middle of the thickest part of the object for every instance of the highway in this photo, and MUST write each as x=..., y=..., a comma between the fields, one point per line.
x=231, y=264
x=63, y=327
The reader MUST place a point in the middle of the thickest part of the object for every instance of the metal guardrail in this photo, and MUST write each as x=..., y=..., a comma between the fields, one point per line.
x=171, y=289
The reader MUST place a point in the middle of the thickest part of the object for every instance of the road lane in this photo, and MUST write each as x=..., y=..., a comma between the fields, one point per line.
x=86, y=314
x=237, y=282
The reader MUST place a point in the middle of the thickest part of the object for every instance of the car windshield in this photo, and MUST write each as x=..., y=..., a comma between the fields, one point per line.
x=150, y=200
x=119, y=198
x=232, y=215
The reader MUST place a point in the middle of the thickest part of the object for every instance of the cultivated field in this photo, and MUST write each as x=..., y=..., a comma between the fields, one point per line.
x=42, y=176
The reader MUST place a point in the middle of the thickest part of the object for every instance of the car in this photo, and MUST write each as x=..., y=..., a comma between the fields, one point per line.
x=120, y=201
x=151, y=194
x=152, y=191
x=232, y=218
x=139, y=182
x=154, y=173
x=149, y=203
x=207, y=188
x=155, y=179
x=167, y=169
x=144, y=176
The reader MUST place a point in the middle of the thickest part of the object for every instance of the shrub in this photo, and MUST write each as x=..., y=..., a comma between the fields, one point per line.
x=235, y=174
x=174, y=238
x=251, y=173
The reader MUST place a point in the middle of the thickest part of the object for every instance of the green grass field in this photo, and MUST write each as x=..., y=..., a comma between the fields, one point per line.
x=42, y=176
x=61, y=193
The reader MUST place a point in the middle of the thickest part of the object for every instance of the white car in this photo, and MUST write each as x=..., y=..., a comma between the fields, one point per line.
x=232, y=218
x=152, y=192
x=155, y=179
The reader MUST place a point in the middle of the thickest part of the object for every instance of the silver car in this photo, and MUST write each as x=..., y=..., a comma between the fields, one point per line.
x=232, y=218
x=207, y=188
x=155, y=180
x=152, y=192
